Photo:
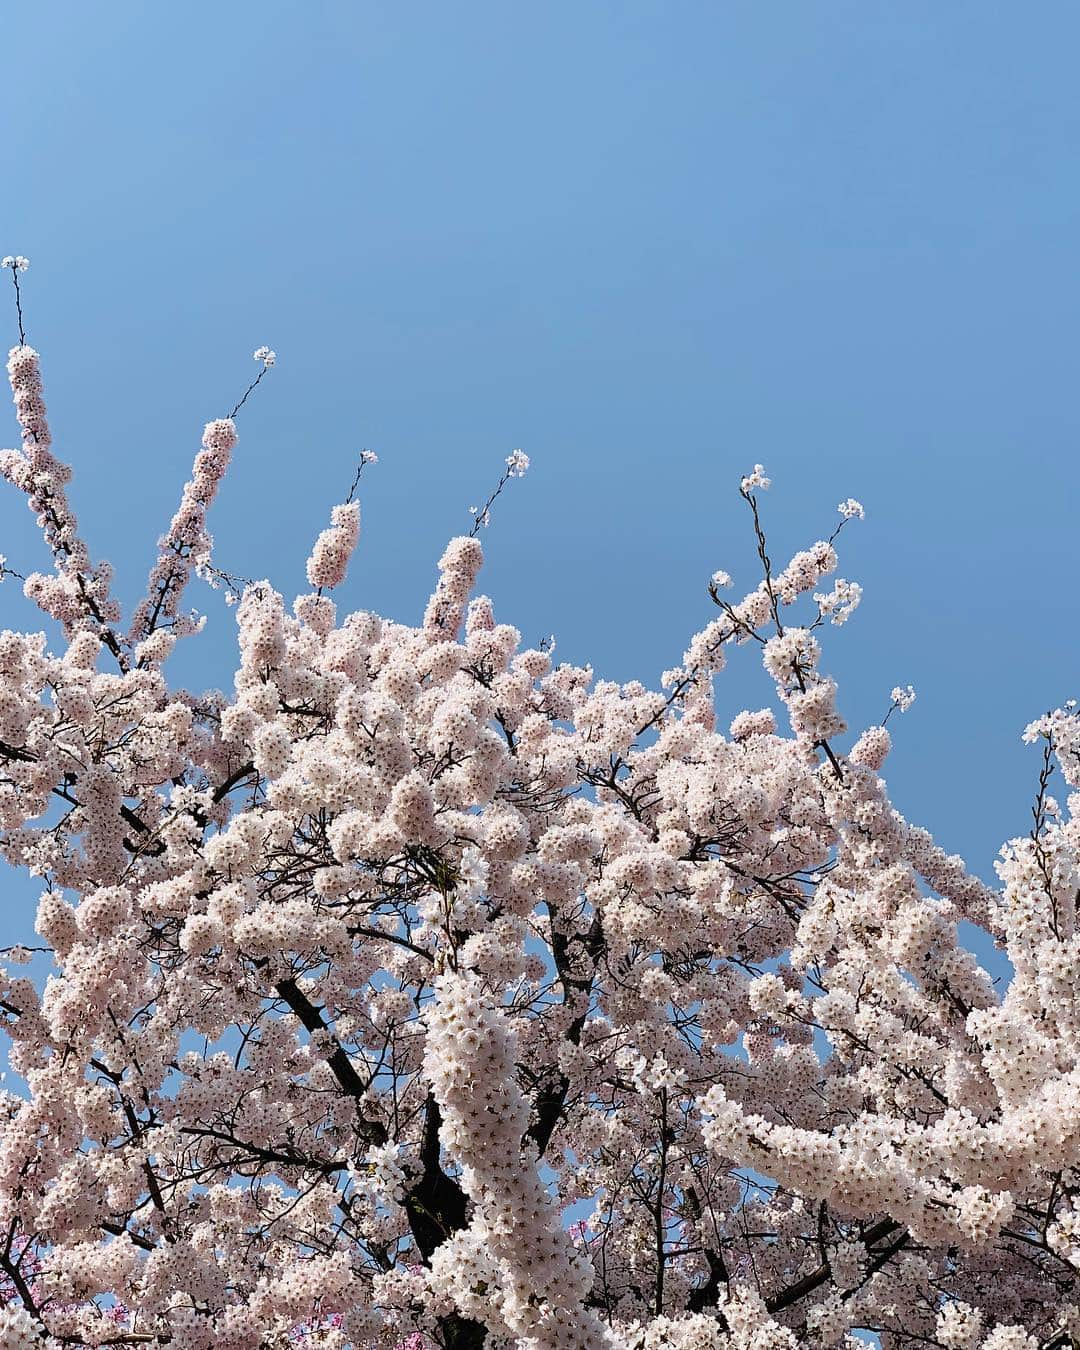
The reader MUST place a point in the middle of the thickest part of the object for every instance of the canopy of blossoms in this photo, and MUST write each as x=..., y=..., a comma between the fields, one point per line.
x=423, y=992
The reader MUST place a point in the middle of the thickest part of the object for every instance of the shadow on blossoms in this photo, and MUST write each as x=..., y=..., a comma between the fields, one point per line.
x=426, y=993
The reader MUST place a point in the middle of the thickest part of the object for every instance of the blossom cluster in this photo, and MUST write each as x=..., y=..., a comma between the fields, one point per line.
x=334, y=547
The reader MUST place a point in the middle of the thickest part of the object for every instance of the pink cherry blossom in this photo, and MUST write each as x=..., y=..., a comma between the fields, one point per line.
x=421, y=992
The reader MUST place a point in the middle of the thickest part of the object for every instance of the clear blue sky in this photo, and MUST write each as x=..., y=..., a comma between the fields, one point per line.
x=649, y=243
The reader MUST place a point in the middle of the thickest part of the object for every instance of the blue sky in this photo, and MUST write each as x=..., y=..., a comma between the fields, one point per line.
x=649, y=243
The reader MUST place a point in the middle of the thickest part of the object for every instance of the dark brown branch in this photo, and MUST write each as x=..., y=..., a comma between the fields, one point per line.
x=816, y=1278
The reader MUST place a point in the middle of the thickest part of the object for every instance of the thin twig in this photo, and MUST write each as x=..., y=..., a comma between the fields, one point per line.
x=247, y=392
x=18, y=306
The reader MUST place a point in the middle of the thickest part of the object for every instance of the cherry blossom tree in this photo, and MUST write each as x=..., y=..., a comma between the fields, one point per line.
x=424, y=992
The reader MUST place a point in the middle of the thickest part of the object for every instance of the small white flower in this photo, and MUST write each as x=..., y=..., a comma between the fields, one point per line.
x=517, y=462
x=722, y=580
x=757, y=479
x=368, y=457
x=850, y=508
x=265, y=355
x=17, y=263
